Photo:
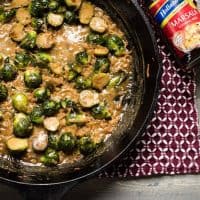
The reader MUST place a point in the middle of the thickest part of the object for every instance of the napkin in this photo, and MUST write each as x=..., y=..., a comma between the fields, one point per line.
x=170, y=144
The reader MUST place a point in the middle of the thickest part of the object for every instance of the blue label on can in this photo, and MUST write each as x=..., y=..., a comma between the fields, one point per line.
x=166, y=9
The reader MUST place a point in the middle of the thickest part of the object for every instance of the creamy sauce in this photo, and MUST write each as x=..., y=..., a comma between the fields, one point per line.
x=69, y=40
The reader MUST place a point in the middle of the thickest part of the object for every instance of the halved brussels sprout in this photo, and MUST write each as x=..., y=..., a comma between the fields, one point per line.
x=102, y=65
x=100, y=81
x=50, y=157
x=37, y=115
x=98, y=24
x=115, y=44
x=3, y=92
x=88, y=98
x=83, y=83
x=86, y=145
x=17, y=145
x=83, y=58
x=86, y=12
x=76, y=118
x=22, y=126
x=51, y=124
x=95, y=38
x=101, y=112
x=29, y=40
x=6, y=15
x=117, y=79
x=8, y=72
x=20, y=102
x=54, y=19
x=50, y=107
x=67, y=142
x=32, y=78
x=42, y=94
x=40, y=141
x=22, y=59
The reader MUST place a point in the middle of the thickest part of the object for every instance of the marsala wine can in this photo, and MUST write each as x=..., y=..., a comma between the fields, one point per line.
x=180, y=23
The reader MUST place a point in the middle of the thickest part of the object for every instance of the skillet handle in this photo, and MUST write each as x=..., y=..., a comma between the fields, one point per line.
x=55, y=192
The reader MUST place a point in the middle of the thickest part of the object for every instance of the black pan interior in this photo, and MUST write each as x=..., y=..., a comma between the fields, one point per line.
x=139, y=101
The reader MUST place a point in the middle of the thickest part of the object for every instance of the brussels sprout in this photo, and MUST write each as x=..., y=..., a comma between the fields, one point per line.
x=83, y=58
x=101, y=112
x=29, y=40
x=45, y=40
x=37, y=115
x=61, y=9
x=72, y=75
x=42, y=59
x=3, y=92
x=20, y=102
x=95, y=38
x=102, y=65
x=115, y=44
x=67, y=103
x=50, y=157
x=53, y=141
x=100, y=80
x=40, y=141
x=38, y=7
x=1, y=59
x=50, y=107
x=54, y=19
x=37, y=23
x=6, y=15
x=86, y=12
x=76, y=118
x=22, y=59
x=70, y=17
x=83, y=83
x=76, y=67
x=22, y=126
x=8, y=72
x=74, y=4
x=98, y=24
x=32, y=78
x=117, y=79
x=67, y=142
x=88, y=98
x=53, y=5
x=51, y=124
x=86, y=145
x=17, y=145
x=42, y=94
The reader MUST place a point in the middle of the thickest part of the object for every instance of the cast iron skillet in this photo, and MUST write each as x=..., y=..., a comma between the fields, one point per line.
x=140, y=100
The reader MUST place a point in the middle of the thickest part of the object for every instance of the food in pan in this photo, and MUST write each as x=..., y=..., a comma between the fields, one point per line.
x=65, y=70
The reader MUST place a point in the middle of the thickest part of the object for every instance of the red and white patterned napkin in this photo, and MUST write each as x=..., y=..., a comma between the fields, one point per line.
x=170, y=144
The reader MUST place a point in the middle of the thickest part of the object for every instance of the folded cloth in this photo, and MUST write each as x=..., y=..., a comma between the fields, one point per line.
x=170, y=144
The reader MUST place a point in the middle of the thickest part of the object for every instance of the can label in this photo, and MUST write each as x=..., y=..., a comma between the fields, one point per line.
x=180, y=21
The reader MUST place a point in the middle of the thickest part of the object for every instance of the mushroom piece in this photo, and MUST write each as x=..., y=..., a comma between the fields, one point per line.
x=17, y=32
x=40, y=141
x=88, y=98
x=51, y=124
x=23, y=16
x=45, y=40
x=98, y=24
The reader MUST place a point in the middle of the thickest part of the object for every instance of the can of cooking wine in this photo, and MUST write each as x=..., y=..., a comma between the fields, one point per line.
x=180, y=23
